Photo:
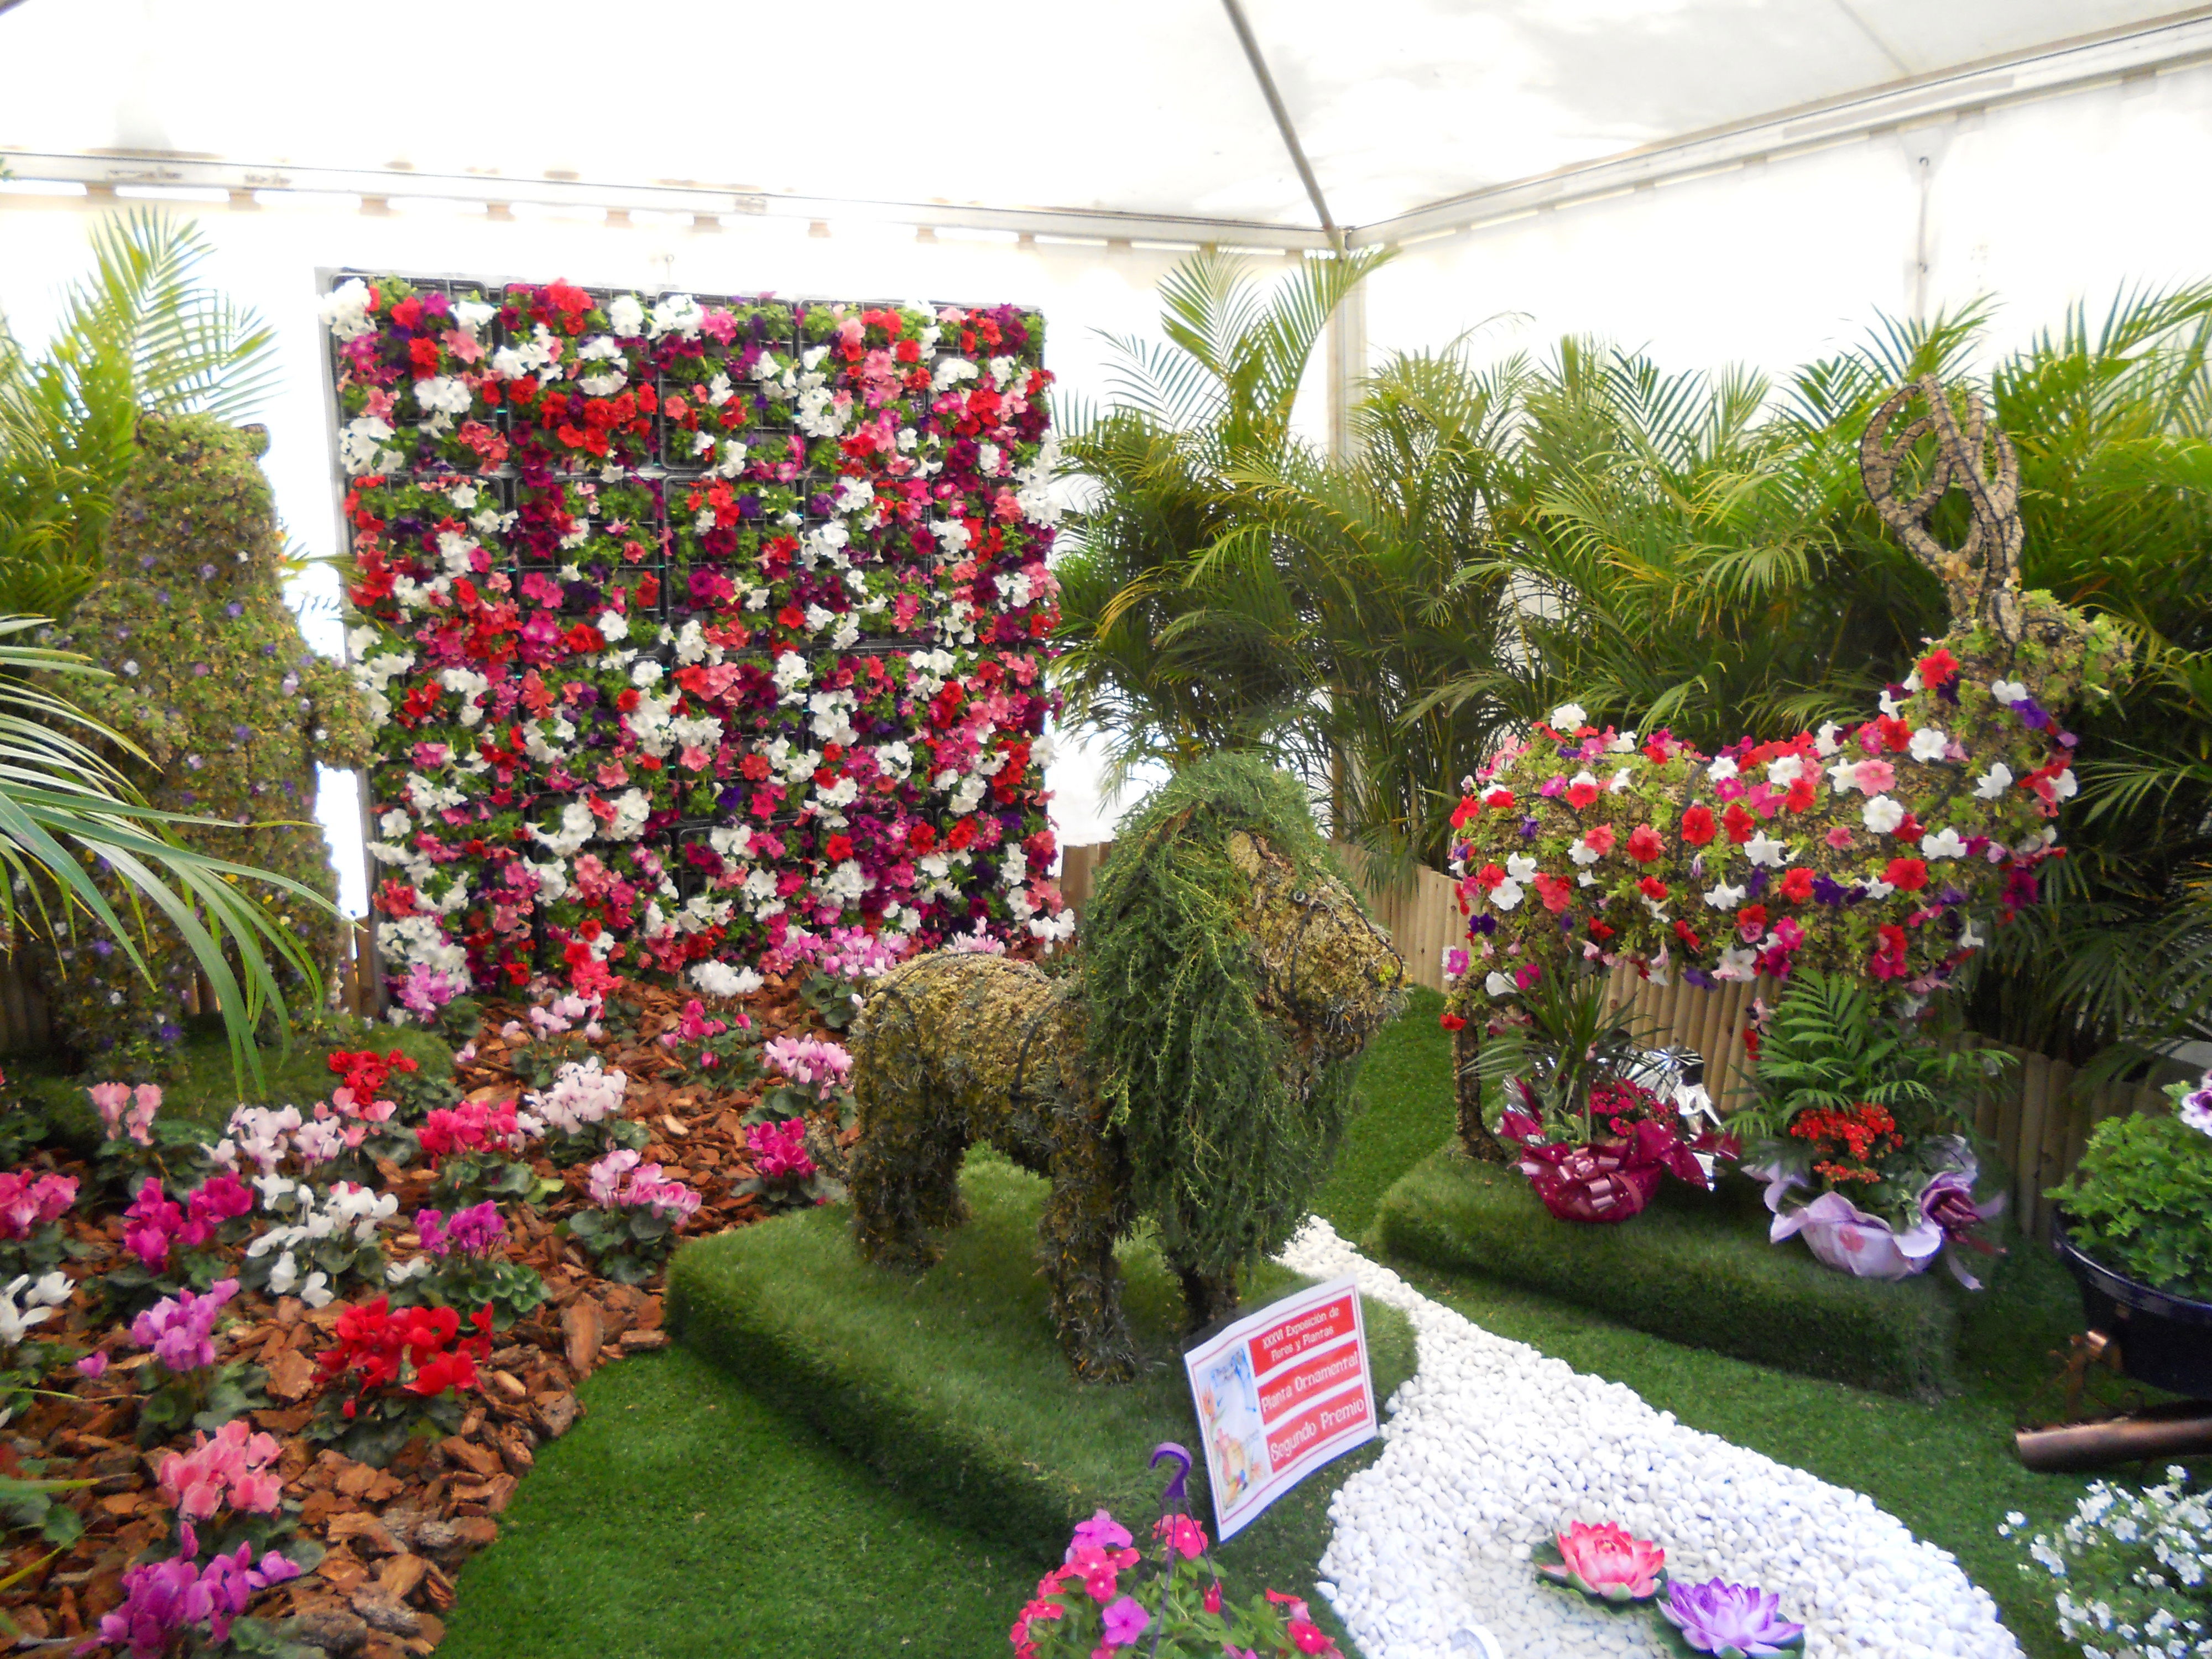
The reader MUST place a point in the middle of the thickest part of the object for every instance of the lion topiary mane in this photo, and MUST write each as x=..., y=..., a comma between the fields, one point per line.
x=1228, y=1133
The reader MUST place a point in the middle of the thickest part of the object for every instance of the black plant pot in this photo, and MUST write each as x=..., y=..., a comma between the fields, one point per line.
x=2165, y=1341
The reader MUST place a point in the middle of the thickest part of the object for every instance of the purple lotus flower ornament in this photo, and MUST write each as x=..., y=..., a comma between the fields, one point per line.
x=1730, y=1621
x=1606, y=1562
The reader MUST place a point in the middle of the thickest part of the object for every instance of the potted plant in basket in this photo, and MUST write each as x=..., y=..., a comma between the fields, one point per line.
x=1873, y=1117
x=1598, y=1120
x=2134, y=1226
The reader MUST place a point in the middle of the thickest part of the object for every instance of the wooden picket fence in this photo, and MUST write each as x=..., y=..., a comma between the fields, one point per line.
x=2035, y=1114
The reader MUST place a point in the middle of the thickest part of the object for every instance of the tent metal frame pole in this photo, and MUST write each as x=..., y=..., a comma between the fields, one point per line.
x=1258, y=60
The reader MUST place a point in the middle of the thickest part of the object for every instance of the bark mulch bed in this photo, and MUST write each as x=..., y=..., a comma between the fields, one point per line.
x=397, y=1537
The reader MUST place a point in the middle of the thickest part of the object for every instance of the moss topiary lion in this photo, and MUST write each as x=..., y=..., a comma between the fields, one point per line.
x=1195, y=1066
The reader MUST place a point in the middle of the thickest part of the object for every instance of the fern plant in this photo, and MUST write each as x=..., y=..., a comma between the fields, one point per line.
x=1829, y=1053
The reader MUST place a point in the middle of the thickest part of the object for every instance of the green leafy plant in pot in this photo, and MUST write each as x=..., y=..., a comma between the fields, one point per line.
x=1864, y=1132
x=2134, y=1226
x=1595, y=1136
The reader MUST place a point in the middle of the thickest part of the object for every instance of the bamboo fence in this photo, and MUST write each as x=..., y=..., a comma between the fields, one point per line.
x=2035, y=1114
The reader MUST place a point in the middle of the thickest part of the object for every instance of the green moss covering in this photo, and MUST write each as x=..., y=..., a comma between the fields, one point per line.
x=951, y=1385
x=1695, y=1269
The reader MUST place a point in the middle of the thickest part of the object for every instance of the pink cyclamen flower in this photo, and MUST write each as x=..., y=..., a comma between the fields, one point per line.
x=149, y=1224
x=126, y=1110
x=29, y=1199
x=779, y=1151
x=93, y=1366
x=473, y=1231
x=229, y=1470
x=180, y=1329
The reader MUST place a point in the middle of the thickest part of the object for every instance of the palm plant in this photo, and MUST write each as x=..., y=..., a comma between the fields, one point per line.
x=141, y=331
x=1173, y=608
x=63, y=806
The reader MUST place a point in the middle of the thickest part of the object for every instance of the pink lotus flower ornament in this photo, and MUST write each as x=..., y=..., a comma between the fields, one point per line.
x=1606, y=1562
x=1731, y=1621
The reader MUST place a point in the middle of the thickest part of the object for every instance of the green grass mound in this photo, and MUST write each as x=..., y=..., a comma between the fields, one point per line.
x=951, y=1385
x=1697, y=1269
x=208, y=1090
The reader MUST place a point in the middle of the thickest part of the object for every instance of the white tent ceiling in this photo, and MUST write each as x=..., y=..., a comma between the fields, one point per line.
x=1146, y=117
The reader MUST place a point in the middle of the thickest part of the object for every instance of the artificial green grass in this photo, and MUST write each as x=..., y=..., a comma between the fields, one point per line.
x=208, y=1090
x=1695, y=1267
x=952, y=1385
x=1406, y=1109
x=683, y=1517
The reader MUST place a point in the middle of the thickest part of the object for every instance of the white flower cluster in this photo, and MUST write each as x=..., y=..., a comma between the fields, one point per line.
x=309, y=1218
x=582, y=1095
x=26, y=1303
x=2132, y=1571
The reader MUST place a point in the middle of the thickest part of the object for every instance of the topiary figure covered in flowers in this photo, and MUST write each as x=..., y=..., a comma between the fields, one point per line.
x=213, y=680
x=1886, y=851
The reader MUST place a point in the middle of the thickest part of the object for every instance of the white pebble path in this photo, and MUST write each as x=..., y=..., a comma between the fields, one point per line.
x=1492, y=1446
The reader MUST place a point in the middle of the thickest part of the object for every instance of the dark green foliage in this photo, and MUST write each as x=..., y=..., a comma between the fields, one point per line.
x=627, y=1243
x=213, y=682
x=1694, y=1267
x=951, y=1384
x=2140, y=1202
x=1228, y=1137
x=465, y=1282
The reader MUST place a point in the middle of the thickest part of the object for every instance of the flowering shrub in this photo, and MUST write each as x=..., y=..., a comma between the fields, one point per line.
x=692, y=628
x=2132, y=1571
x=1107, y=1598
x=162, y=1600
x=466, y=1146
x=184, y=1385
x=32, y=1204
x=632, y=1231
x=2140, y=1200
x=461, y=1266
x=390, y=1375
x=719, y=1052
x=1883, y=850
x=333, y=1236
x=785, y=1175
x=582, y=1112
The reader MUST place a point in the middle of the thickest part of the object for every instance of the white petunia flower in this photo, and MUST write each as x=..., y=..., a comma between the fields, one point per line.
x=1720, y=770
x=1723, y=897
x=1785, y=771
x=1824, y=740
x=1993, y=783
x=1881, y=815
x=1506, y=895
x=2008, y=692
x=1928, y=744
x=625, y=316
x=1763, y=848
x=1498, y=986
x=1520, y=866
x=1944, y=844
x=1570, y=715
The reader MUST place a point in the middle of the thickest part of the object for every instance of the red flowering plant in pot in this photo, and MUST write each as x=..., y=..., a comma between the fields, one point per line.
x=1598, y=1125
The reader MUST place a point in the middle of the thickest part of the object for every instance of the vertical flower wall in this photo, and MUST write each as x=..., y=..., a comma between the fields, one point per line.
x=700, y=635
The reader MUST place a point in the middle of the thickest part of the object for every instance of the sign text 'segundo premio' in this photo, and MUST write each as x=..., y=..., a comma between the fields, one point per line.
x=1280, y=1393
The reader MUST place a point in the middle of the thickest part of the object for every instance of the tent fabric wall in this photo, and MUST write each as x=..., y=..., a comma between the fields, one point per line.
x=2037, y=203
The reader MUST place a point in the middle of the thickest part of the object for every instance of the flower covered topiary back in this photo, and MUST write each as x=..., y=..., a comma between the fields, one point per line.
x=701, y=634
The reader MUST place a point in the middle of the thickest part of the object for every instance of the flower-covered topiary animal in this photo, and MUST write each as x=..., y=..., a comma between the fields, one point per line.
x=214, y=681
x=1195, y=1065
x=1886, y=850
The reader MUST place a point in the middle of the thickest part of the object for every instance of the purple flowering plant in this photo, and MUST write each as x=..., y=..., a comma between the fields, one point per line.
x=464, y=1265
x=187, y=1386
